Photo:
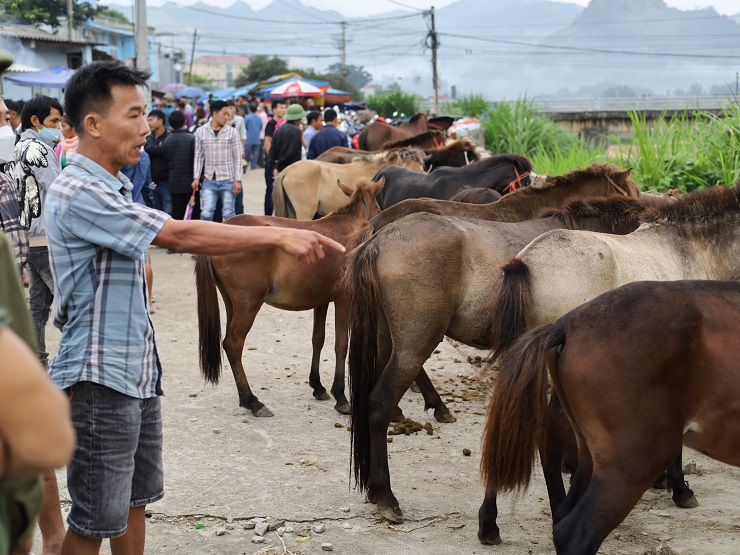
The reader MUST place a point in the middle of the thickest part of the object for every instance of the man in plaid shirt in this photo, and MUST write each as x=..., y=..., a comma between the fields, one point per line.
x=10, y=210
x=218, y=157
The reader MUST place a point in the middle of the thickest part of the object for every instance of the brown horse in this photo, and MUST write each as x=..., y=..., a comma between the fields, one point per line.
x=674, y=342
x=307, y=188
x=247, y=280
x=421, y=278
x=523, y=204
x=456, y=154
x=434, y=138
x=376, y=135
x=476, y=195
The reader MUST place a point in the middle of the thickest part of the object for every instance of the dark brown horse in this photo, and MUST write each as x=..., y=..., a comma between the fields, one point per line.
x=434, y=138
x=640, y=370
x=496, y=172
x=597, y=180
x=421, y=278
x=456, y=154
x=247, y=280
x=476, y=195
x=376, y=135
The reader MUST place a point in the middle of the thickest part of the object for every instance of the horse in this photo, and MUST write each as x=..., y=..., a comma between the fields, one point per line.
x=456, y=154
x=247, y=280
x=434, y=138
x=497, y=172
x=476, y=195
x=306, y=188
x=522, y=204
x=378, y=133
x=421, y=278
x=640, y=370
x=695, y=236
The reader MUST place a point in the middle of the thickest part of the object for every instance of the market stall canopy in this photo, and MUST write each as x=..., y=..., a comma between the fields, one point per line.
x=54, y=78
x=20, y=68
x=296, y=87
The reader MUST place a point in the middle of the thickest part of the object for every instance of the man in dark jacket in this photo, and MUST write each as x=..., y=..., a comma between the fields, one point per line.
x=328, y=137
x=160, y=169
x=288, y=140
x=179, y=151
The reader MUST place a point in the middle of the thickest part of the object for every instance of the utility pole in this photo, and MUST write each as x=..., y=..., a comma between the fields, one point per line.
x=70, y=18
x=432, y=43
x=141, y=31
x=192, y=55
x=343, y=57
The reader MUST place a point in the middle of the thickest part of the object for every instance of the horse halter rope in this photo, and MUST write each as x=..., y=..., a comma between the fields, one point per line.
x=614, y=184
x=518, y=182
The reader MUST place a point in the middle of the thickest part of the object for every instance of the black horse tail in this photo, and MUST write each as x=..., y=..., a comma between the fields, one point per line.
x=512, y=309
x=209, y=320
x=517, y=416
x=364, y=294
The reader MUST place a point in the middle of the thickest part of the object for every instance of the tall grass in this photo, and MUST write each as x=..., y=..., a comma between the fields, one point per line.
x=519, y=128
x=391, y=104
x=472, y=106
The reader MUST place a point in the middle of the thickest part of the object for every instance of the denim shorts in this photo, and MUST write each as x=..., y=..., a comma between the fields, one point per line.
x=118, y=460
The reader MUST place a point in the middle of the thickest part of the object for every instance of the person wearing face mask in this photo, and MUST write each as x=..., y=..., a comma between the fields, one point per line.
x=34, y=168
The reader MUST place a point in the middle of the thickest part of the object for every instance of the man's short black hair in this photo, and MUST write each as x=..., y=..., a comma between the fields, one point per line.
x=277, y=102
x=89, y=89
x=217, y=106
x=39, y=106
x=177, y=119
x=330, y=115
x=159, y=114
x=14, y=105
x=312, y=116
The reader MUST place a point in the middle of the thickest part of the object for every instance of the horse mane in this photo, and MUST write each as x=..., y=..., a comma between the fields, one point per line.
x=354, y=200
x=522, y=163
x=704, y=206
x=616, y=212
x=594, y=171
x=415, y=117
x=386, y=156
x=413, y=141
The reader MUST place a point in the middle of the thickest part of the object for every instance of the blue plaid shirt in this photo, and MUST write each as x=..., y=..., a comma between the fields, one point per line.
x=97, y=240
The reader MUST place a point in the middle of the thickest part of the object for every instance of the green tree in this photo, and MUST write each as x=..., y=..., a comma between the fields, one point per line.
x=355, y=74
x=620, y=91
x=260, y=68
x=105, y=11
x=44, y=12
x=197, y=79
x=335, y=80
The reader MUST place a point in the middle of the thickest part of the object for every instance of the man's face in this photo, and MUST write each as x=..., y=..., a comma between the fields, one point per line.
x=280, y=110
x=14, y=118
x=222, y=116
x=155, y=124
x=123, y=129
x=53, y=120
x=318, y=123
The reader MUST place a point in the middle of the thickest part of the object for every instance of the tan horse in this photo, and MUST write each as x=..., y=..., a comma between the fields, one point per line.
x=308, y=188
x=421, y=278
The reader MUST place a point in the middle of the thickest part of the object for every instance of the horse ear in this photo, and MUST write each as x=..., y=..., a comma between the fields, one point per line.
x=627, y=172
x=346, y=189
x=378, y=185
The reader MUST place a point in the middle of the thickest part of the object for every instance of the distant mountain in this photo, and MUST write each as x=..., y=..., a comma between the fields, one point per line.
x=501, y=49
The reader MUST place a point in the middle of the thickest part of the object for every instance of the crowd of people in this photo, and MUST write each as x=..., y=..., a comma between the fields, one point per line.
x=85, y=189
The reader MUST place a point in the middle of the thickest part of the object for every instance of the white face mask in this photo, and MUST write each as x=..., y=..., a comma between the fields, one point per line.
x=7, y=143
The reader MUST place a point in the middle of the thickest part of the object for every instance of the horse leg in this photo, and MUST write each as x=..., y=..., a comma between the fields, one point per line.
x=488, y=531
x=559, y=454
x=240, y=321
x=317, y=339
x=683, y=496
x=341, y=343
x=578, y=485
x=432, y=400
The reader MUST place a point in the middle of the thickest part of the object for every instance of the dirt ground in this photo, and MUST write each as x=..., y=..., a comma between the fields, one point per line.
x=224, y=467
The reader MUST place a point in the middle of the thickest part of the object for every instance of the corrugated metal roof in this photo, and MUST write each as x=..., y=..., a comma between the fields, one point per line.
x=30, y=32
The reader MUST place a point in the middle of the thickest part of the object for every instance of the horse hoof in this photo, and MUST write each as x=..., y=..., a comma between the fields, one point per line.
x=397, y=416
x=323, y=396
x=262, y=412
x=690, y=503
x=391, y=514
x=489, y=540
x=342, y=408
x=444, y=416
x=415, y=388
x=661, y=483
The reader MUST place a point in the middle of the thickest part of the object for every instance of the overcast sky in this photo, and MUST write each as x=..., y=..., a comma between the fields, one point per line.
x=358, y=8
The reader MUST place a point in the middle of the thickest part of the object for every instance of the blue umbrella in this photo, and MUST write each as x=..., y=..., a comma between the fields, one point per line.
x=55, y=78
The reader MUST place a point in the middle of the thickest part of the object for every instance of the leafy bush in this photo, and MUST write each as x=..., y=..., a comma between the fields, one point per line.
x=393, y=103
x=473, y=106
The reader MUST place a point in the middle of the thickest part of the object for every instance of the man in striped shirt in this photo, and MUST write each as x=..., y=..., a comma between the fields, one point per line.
x=218, y=157
x=108, y=361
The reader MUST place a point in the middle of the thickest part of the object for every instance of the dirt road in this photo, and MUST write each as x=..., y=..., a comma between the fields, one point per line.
x=223, y=467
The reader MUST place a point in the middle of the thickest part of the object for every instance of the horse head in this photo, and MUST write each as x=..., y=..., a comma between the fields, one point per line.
x=364, y=194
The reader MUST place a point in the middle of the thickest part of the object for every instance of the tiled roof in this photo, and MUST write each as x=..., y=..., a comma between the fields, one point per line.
x=30, y=32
